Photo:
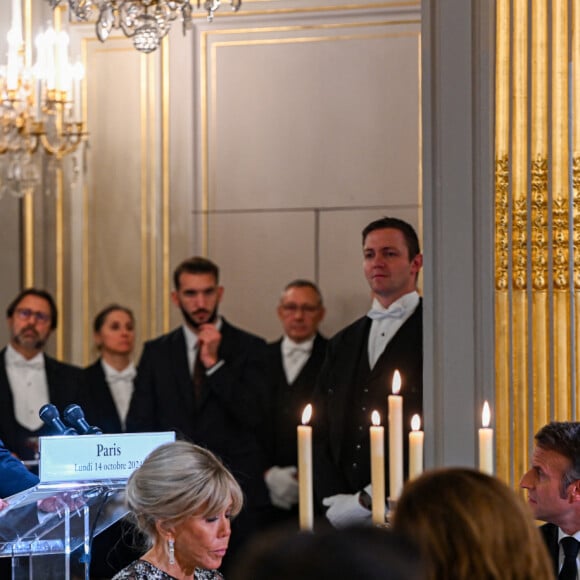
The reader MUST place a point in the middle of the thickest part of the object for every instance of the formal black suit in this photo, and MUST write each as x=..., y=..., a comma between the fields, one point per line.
x=64, y=382
x=285, y=402
x=97, y=401
x=225, y=419
x=347, y=393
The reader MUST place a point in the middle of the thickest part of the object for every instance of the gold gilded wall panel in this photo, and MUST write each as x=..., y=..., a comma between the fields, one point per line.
x=534, y=232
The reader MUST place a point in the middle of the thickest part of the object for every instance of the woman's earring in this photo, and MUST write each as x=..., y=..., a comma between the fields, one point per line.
x=171, y=546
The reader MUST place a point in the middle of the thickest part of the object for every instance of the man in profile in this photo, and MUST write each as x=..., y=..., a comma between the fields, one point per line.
x=203, y=381
x=293, y=364
x=357, y=374
x=553, y=486
x=28, y=377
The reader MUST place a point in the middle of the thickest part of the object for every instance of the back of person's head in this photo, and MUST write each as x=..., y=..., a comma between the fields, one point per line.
x=361, y=553
x=471, y=526
x=178, y=480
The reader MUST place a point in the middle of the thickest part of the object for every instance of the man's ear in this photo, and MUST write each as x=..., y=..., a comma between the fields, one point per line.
x=574, y=491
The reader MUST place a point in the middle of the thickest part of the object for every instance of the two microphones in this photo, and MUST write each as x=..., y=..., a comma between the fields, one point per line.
x=75, y=422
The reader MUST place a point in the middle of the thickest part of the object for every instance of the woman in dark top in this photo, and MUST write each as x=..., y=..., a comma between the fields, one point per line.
x=109, y=381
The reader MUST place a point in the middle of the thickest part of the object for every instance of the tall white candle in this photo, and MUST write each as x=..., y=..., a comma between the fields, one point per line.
x=486, y=442
x=395, y=403
x=416, y=438
x=17, y=21
x=305, y=500
x=377, y=435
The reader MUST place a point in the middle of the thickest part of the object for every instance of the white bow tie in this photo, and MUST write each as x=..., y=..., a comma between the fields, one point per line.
x=124, y=375
x=396, y=311
x=289, y=349
x=28, y=364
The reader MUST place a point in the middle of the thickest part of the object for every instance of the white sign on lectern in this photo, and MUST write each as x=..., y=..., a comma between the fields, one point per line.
x=66, y=458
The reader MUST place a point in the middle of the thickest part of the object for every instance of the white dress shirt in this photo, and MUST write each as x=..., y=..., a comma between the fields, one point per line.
x=29, y=387
x=121, y=386
x=294, y=356
x=387, y=321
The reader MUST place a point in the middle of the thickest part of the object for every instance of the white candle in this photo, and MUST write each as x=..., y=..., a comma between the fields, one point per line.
x=416, y=438
x=486, y=442
x=12, y=64
x=305, y=501
x=377, y=435
x=395, y=439
x=17, y=21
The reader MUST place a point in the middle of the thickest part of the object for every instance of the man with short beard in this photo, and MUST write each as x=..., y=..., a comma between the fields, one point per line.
x=202, y=380
x=28, y=377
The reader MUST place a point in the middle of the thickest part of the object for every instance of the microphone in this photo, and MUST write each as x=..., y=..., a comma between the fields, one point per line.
x=75, y=417
x=50, y=416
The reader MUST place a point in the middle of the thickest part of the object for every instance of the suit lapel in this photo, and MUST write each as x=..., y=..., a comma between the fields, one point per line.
x=180, y=364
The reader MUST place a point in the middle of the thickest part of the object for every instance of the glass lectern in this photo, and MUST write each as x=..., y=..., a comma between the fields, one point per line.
x=47, y=530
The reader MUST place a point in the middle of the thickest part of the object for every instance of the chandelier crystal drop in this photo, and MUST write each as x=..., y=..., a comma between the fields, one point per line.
x=146, y=22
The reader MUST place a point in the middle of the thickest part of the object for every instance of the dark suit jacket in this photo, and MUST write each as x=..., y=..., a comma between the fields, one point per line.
x=64, y=382
x=550, y=535
x=14, y=477
x=97, y=401
x=338, y=380
x=284, y=403
x=227, y=417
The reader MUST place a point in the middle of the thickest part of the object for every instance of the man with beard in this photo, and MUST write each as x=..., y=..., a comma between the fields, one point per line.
x=28, y=377
x=202, y=380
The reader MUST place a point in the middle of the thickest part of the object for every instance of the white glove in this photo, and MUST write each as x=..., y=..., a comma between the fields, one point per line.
x=345, y=510
x=283, y=486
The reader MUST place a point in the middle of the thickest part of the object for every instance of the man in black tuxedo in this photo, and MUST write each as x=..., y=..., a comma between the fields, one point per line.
x=553, y=486
x=204, y=380
x=28, y=377
x=357, y=374
x=293, y=364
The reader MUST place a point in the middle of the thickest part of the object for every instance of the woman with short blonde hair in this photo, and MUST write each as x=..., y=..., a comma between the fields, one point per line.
x=182, y=499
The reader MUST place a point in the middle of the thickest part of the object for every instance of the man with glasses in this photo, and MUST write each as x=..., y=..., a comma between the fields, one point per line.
x=293, y=364
x=28, y=377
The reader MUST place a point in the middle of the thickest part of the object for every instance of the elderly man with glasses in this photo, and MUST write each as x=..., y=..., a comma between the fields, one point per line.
x=28, y=377
x=293, y=363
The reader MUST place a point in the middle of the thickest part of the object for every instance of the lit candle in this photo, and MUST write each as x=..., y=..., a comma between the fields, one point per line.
x=305, y=501
x=395, y=439
x=486, y=442
x=416, y=437
x=12, y=64
x=377, y=434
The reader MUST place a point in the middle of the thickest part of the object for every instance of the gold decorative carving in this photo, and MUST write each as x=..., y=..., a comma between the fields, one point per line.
x=519, y=243
x=576, y=219
x=560, y=242
x=501, y=223
x=539, y=214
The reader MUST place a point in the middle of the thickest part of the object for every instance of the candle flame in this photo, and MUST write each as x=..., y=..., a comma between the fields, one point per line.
x=485, y=415
x=376, y=418
x=396, y=383
x=416, y=423
x=307, y=414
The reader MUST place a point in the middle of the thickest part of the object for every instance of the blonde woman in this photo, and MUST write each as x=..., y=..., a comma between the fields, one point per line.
x=182, y=499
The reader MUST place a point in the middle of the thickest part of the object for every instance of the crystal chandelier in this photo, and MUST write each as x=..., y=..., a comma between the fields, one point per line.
x=39, y=105
x=145, y=21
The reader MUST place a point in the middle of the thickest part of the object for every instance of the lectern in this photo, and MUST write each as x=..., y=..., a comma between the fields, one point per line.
x=47, y=530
